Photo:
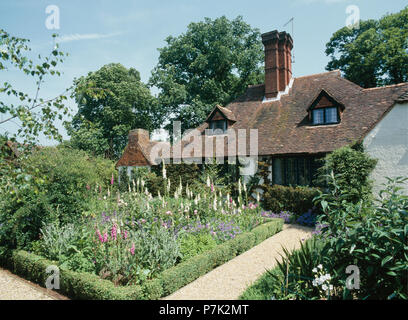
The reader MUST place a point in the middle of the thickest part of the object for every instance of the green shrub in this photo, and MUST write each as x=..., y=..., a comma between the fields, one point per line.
x=193, y=244
x=298, y=200
x=376, y=242
x=185, y=272
x=352, y=168
x=58, y=186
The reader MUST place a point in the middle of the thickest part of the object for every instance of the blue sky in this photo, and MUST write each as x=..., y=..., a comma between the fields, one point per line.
x=129, y=32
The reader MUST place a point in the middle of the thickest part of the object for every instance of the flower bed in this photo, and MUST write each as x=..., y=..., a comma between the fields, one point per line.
x=154, y=245
x=83, y=285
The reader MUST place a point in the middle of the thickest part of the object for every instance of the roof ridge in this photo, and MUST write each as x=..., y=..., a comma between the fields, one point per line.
x=387, y=86
x=317, y=74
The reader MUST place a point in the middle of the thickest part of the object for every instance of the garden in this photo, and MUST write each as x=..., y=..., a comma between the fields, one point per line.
x=359, y=247
x=163, y=228
x=72, y=213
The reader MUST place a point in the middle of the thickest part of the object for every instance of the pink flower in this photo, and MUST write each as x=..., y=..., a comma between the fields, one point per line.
x=88, y=187
x=112, y=179
x=105, y=237
x=212, y=187
x=114, y=232
x=132, y=250
x=99, y=236
x=169, y=213
x=125, y=235
x=142, y=220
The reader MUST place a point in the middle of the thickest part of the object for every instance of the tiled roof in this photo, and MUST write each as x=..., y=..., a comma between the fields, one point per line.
x=284, y=127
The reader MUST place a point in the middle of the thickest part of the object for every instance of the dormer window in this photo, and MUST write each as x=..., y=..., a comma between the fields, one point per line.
x=325, y=110
x=325, y=115
x=219, y=120
x=218, y=126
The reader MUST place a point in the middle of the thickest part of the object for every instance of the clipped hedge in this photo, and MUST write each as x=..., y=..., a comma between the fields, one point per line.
x=88, y=286
x=297, y=199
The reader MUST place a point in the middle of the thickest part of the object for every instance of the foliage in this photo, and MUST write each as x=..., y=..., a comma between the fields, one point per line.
x=292, y=277
x=22, y=106
x=192, y=245
x=352, y=168
x=55, y=185
x=294, y=199
x=88, y=137
x=212, y=63
x=130, y=256
x=374, y=54
x=91, y=287
x=111, y=102
x=307, y=219
x=375, y=242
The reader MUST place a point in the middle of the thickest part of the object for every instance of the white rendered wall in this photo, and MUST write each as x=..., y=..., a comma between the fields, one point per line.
x=388, y=142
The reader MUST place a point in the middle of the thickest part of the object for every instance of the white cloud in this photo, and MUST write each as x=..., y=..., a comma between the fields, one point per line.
x=86, y=36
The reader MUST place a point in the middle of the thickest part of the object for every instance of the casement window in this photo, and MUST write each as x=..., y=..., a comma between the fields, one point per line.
x=325, y=116
x=294, y=171
x=218, y=126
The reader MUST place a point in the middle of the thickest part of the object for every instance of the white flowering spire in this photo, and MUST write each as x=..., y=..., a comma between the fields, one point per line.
x=164, y=170
x=208, y=181
x=239, y=186
x=257, y=197
x=181, y=186
x=215, y=204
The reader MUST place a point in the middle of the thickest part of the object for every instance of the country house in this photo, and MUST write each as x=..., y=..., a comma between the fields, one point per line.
x=298, y=120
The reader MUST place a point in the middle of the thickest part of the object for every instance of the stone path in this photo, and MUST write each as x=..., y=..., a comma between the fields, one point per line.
x=229, y=281
x=13, y=287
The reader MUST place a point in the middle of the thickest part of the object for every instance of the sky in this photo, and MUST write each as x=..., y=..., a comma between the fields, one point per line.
x=98, y=32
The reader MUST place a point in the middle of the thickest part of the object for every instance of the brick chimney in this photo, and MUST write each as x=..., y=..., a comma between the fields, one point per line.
x=278, y=62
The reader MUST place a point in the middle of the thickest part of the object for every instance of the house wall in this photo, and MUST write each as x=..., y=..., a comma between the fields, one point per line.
x=388, y=142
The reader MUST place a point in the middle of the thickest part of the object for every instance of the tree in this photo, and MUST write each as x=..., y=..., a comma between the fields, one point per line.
x=212, y=63
x=111, y=102
x=33, y=114
x=374, y=54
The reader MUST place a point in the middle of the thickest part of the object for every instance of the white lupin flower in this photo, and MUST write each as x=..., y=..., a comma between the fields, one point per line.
x=215, y=204
x=245, y=188
x=257, y=197
x=208, y=181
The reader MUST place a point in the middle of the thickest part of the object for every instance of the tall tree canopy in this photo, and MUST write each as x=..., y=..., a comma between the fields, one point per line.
x=113, y=102
x=211, y=63
x=374, y=54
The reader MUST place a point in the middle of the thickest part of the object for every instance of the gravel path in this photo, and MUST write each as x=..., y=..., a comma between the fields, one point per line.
x=229, y=281
x=13, y=287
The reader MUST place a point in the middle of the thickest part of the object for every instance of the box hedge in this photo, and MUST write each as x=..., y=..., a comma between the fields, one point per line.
x=88, y=286
x=297, y=199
